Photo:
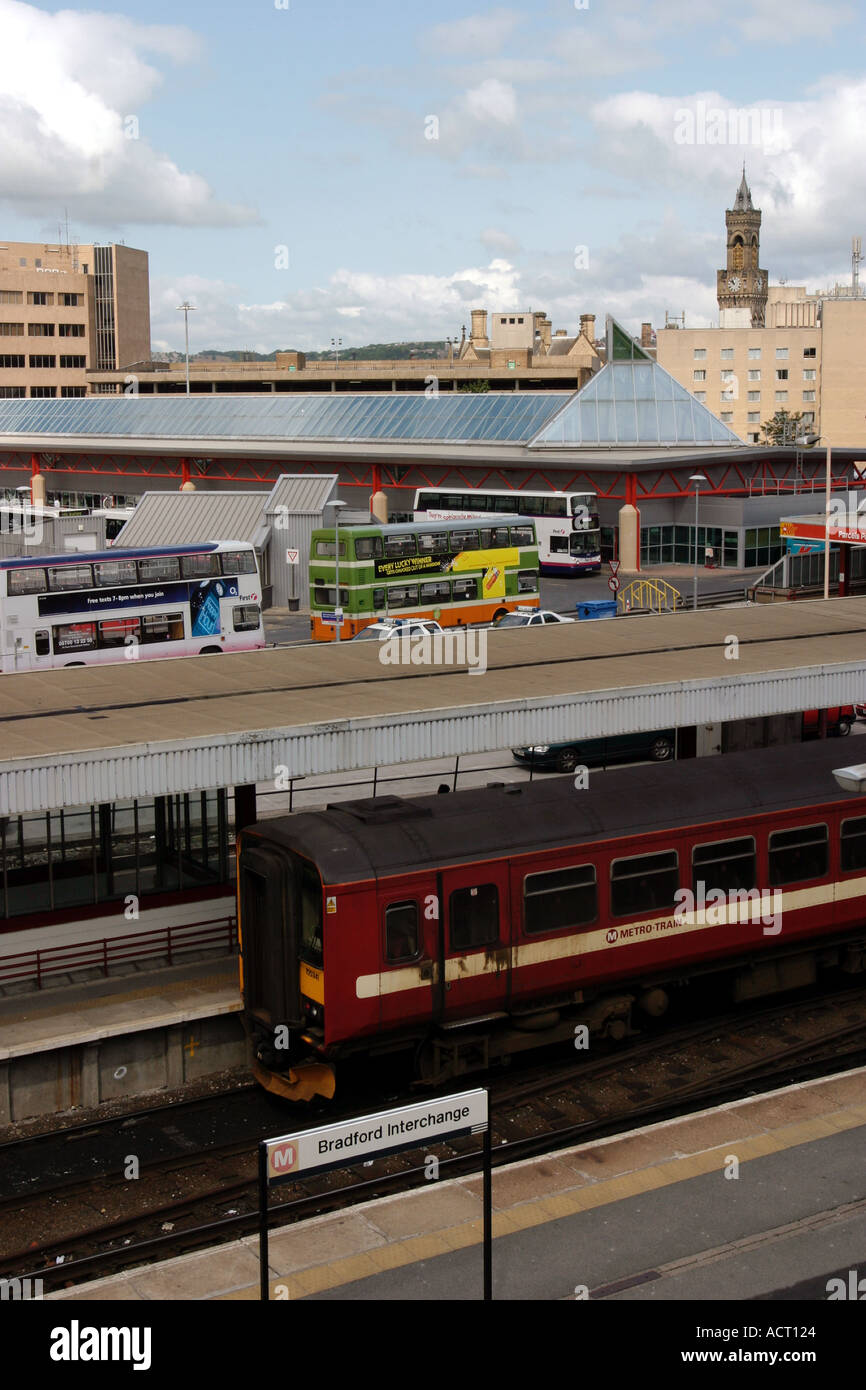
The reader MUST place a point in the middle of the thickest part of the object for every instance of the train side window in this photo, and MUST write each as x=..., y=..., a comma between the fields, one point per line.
x=854, y=843
x=561, y=898
x=401, y=932
x=474, y=917
x=646, y=883
x=725, y=864
x=798, y=855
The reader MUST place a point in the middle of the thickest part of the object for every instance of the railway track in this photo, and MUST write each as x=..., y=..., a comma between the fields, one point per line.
x=653, y=1079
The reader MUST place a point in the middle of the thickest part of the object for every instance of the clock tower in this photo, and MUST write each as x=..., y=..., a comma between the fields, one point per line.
x=742, y=286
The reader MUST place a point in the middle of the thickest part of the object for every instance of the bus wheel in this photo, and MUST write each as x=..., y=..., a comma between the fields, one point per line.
x=210, y=651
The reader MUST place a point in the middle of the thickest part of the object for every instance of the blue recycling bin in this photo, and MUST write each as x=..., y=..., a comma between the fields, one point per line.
x=597, y=608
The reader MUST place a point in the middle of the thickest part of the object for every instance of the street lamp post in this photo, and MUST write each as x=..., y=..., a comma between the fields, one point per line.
x=338, y=608
x=807, y=441
x=697, y=479
x=336, y=344
x=187, y=310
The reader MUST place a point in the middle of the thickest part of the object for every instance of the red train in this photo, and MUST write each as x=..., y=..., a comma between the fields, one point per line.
x=471, y=926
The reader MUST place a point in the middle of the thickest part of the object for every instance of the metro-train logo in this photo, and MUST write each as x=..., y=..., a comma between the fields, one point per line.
x=611, y=936
x=284, y=1158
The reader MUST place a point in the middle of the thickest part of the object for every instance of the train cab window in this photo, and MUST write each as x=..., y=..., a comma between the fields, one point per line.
x=798, y=855
x=474, y=917
x=725, y=864
x=311, y=916
x=401, y=932
x=561, y=898
x=646, y=883
x=854, y=844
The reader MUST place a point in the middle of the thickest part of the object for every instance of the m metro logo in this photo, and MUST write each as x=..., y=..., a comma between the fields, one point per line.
x=282, y=1158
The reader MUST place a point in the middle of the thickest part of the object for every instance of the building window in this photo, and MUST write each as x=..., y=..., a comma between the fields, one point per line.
x=72, y=301
x=755, y=374
x=808, y=417
x=808, y=395
x=699, y=376
x=11, y=393
x=73, y=391
x=727, y=375
x=22, y=260
x=755, y=354
x=71, y=330
x=39, y=360
x=782, y=397
x=72, y=361
x=781, y=352
x=700, y=354
x=809, y=374
x=809, y=352
x=11, y=297
x=781, y=373
x=42, y=392
x=753, y=417
x=39, y=297
x=754, y=395
x=40, y=330
x=701, y=396
x=727, y=417
x=754, y=438
x=11, y=330
x=12, y=359
x=727, y=354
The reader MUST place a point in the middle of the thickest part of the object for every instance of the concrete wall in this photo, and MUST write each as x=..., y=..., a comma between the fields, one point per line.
x=46, y=1083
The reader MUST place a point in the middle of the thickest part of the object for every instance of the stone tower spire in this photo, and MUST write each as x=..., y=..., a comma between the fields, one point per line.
x=741, y=287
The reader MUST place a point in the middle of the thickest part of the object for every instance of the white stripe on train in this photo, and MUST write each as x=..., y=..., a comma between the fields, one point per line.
x=574, y=944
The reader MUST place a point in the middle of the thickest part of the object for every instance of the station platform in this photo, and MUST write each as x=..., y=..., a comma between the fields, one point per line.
x=763, y=1198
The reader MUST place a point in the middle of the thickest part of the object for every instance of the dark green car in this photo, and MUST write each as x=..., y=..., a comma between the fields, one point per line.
x=660, y=745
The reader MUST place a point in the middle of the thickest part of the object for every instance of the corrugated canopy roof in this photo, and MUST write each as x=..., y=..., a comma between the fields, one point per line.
x=302, y=494
x=450, y=415
x=181, y=518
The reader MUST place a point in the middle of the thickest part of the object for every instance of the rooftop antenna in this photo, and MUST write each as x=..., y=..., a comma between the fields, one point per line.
x=856, y=258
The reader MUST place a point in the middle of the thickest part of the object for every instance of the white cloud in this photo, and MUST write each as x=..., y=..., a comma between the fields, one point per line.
x=492, y=102
x=72, y=128
x=476, y=34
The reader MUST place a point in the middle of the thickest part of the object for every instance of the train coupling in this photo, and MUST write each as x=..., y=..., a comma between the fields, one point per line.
x=303, y=1082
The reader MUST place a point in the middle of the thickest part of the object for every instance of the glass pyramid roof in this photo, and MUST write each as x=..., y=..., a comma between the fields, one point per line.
x=633, y=400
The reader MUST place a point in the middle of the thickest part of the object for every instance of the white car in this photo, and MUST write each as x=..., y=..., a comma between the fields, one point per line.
x=381, y=631
x=531, y=617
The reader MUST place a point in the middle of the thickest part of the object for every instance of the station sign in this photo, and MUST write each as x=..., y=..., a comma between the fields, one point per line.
x=389, y=1131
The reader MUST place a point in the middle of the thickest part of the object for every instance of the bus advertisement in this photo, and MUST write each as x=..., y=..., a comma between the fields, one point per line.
x=566, y=523
x=457, y=574
x=80, y=609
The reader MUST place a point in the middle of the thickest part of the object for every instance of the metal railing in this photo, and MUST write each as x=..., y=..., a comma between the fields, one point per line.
x=103, y=953
x=650, y=596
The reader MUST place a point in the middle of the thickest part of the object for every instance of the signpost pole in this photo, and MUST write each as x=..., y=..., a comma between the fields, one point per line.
x=488, y=1215
x=264, y=1285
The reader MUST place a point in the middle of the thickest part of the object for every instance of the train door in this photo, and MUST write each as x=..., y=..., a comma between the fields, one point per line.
x=408, y=943
x=475, y=940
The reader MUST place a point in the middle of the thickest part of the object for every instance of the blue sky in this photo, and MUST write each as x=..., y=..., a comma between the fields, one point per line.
x=375, y=170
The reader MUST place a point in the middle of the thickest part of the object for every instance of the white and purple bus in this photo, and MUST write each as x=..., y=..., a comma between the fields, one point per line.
x=79, y=609
x=566, y=523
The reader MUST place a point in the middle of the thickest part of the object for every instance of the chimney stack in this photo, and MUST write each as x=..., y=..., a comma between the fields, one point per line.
x=478, y=335
x=587, y=326
x=646, y=335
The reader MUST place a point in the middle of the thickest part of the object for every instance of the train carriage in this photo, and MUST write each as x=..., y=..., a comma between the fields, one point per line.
x=471, y=926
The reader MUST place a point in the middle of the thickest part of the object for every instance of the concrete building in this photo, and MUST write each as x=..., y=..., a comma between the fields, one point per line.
x=66, y=309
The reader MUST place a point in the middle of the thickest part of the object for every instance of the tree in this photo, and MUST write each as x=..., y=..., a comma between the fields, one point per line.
x=783, y=428
x=474, y=386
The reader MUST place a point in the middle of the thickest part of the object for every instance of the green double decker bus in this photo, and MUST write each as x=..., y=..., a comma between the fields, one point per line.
x=457, y=572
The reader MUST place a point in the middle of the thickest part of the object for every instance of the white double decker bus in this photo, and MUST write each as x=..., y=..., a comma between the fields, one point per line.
x=79, y=609
x=566, y=523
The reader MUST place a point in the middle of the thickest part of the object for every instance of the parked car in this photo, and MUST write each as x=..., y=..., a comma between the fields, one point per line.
x=659, y=745
x=381, y=631
x=839, y=721
x=530, y=617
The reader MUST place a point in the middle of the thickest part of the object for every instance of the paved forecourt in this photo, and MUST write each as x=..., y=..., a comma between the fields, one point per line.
x=743, y=1201
x=132, y=729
